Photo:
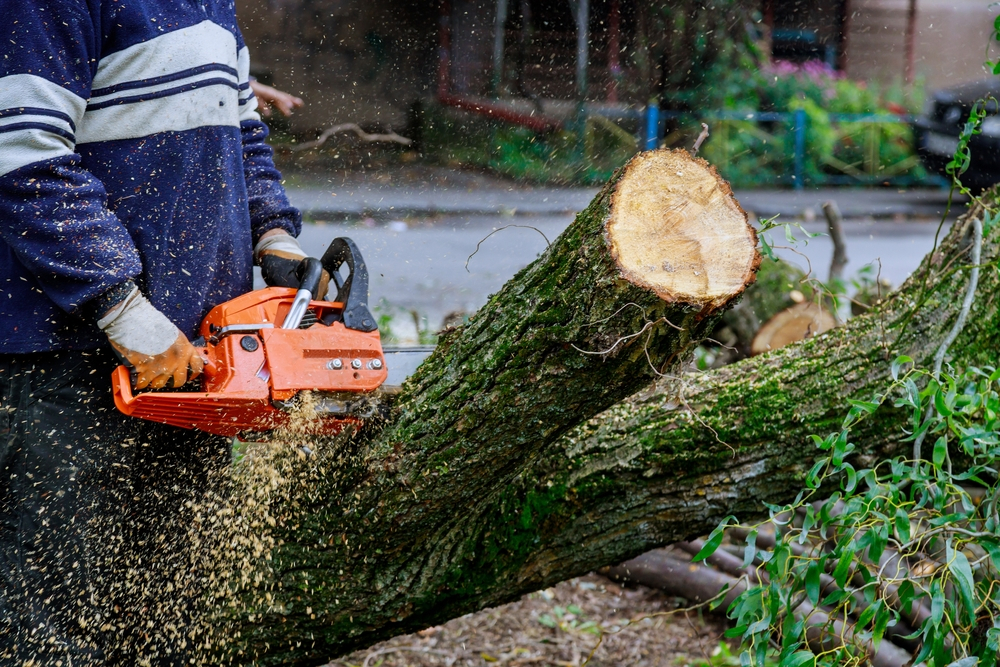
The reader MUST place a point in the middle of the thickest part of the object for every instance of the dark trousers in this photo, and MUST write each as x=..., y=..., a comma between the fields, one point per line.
x=97, y=514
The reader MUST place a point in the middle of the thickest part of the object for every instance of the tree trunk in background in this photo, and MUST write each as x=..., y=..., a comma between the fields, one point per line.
x=376, y=538
x=770, y=294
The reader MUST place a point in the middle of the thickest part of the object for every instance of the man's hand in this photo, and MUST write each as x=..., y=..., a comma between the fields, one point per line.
x=278, y=254
x=143, y=337
x=268, y=97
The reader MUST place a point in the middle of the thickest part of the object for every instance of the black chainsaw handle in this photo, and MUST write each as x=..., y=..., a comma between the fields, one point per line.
x=352, y=291
x=310, y=273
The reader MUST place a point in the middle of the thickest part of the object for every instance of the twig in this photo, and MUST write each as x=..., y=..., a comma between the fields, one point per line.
x=834, y=222
x=548, y=244
x=970, y=294
x=630, y=303
x=701, y=138
x=356, y=129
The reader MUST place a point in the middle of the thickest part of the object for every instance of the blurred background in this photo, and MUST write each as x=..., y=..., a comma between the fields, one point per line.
x=429, y=126
x=797, y=93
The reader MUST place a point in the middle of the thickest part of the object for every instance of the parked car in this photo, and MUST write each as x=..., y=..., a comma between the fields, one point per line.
x=936, y=132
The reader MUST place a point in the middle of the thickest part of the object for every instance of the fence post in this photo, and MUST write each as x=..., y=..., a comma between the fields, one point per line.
x=652, y=126
x=799, y=157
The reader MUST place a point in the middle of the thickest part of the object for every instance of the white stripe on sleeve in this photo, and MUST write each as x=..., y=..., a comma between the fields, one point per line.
x=38, y=119
x=248, y=101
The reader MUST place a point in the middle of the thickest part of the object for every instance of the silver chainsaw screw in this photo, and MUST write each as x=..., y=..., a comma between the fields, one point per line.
x=356, y=363
x=375, y=364
x=335, y=365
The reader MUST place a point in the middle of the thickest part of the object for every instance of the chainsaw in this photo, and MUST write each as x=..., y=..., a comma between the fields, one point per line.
x=265, y=348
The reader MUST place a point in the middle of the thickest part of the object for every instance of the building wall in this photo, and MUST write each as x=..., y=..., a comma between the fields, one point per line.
x=950, y=40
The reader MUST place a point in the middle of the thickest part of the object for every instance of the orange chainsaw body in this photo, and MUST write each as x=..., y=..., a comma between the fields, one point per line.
x=256, y=369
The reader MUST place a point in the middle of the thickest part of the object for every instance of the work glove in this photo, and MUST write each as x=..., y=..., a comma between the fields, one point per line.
x=156, y=350
x=278, y=257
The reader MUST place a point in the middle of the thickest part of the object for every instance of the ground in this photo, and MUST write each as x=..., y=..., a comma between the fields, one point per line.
x=561, y=626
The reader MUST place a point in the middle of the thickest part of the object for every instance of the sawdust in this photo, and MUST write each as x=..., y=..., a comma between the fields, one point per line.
x=560, y=626
x=261, y=492
x=208, y=574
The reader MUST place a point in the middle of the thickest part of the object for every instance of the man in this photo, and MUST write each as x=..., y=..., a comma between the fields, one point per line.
x=134, y=184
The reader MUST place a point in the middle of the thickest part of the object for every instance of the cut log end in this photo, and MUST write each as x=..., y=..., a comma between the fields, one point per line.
x=792, y=324
x=675, y=228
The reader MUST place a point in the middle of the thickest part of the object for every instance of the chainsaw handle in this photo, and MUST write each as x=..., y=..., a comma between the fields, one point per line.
x=352, y=291
x=310, y=273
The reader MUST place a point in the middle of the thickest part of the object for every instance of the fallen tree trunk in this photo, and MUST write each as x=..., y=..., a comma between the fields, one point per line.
x=470, y=498
x=671, y=462
x=373, y=538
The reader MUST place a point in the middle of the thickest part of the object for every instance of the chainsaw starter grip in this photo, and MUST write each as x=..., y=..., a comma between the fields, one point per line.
x=352, y=291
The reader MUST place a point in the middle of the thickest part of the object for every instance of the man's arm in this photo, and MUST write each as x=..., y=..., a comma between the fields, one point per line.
x=53, y=212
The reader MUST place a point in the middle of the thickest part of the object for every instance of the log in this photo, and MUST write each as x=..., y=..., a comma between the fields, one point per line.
x=796, y=323
x=666, y=465
x=371, y=538
x=475, y=494
x=672, y=461
x=779, y=285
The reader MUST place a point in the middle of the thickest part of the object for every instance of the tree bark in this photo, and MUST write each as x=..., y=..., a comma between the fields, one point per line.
x=371, y=538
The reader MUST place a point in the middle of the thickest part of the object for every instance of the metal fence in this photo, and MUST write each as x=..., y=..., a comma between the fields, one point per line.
x=795, y=160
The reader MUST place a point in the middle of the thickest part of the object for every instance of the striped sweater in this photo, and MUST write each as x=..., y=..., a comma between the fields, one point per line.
x=130, y=147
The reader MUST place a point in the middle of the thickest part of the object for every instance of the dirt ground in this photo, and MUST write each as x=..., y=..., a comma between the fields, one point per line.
x=562, y=626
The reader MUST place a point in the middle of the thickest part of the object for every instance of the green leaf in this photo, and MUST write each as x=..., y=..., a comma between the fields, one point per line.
x=789, y=236
x=937, y=603
x=960, y=569
x=813, y=478
x=880, y=537
x=843, y=568
x=750, y=552
x=882, y=618
x=906, y=594
x=714, y=540
x=898, y=364
x=902, y=524
x=852, y=478
x=732, y=633
x=940, y=451
x=812, y=583
x=798, y=659
x=869, y=613
x=547, y=621
x=941, y=404
x=865, y=406
x=765, y=249
x=993, y=550
x=835, y=598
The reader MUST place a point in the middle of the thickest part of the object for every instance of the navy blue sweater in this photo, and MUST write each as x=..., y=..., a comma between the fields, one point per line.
x=130, y=147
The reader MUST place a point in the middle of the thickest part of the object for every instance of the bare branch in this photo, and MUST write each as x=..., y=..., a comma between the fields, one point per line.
x=356, y=129
x=701, y=138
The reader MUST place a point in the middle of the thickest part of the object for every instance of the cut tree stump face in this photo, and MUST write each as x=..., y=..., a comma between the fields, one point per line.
x=676, y=229
x=792, y=324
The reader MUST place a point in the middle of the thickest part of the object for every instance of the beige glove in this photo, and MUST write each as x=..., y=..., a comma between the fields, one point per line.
x=278, y=255
x=159, y=354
